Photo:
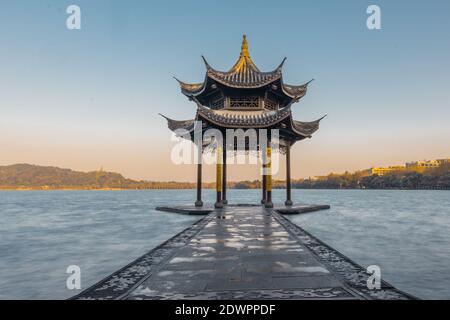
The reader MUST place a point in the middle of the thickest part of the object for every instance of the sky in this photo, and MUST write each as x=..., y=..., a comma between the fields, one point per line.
x=89, y=99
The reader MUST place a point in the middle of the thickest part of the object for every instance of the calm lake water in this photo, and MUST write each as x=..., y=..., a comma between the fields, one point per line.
x=406, y=233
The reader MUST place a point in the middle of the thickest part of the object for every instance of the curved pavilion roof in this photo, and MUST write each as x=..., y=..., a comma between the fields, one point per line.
x=245, y=75
x=243, y=119
x=257, y=119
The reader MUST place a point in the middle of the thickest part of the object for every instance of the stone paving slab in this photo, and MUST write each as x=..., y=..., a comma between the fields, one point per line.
x=254, y=252
x=241, y=253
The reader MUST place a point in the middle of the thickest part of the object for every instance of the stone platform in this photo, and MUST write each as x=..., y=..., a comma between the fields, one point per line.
x=299, y=209
x=189, y=210
x=207, y=209
x=241, y=253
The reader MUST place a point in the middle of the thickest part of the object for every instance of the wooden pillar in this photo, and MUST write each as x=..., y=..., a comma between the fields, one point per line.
x=219, y=203
x=263, y=186
x=269, y=203
x=288, y=201
x=224, y=179
x=199, y=202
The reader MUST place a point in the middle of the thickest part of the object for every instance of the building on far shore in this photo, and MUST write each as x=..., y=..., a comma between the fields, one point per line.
x=417, y=166
x=423, y=165
x=380, y=171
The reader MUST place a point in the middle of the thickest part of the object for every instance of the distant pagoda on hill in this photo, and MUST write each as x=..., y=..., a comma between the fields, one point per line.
x=246, y=98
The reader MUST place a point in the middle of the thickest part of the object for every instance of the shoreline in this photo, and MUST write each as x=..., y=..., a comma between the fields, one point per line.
x=146, y=189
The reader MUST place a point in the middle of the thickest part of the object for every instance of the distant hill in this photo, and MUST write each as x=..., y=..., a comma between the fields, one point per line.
x=27, y=176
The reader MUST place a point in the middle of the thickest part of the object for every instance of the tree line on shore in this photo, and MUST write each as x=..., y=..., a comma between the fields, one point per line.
x=436, y=178
x=25, y=176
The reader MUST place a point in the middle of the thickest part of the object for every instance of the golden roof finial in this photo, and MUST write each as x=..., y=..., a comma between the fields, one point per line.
x=244, y=48
x=244, y=62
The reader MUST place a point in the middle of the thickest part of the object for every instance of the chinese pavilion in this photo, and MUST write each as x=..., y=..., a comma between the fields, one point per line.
x=246, y=98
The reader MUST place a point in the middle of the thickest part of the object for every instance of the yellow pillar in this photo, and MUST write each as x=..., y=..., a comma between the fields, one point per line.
x=269, y=203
